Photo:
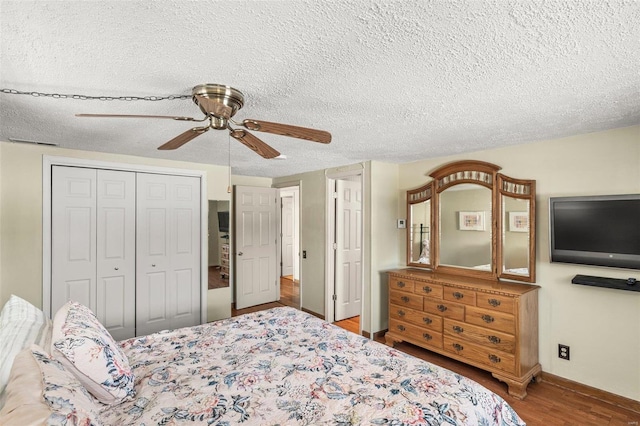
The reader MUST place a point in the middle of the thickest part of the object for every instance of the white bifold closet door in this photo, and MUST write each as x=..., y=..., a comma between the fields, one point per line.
x=168, y=247
x=93, y=244
x=127, y=245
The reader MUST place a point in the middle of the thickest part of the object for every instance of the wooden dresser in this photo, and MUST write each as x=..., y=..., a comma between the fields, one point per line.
x=224, y=260
x=490, y=324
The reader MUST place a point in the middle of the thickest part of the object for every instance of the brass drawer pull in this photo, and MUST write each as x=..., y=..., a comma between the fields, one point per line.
x=401, y=313
x=458, y=329
x=401, y=284
x=458, y=295
x=427, y=336
x=442, y=308
x=494, y=339
x=494, y=359
x=426, y=289
x=427, y=320
x=401, y=328
x=488, y=319
x=457, y=347
x=494, y=302
x=405, y=299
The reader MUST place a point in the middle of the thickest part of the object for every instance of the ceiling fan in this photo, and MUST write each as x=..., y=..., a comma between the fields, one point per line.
x=219, y=103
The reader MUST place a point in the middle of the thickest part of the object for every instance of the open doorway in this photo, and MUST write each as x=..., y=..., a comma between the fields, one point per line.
x=345, y=256
x=290, y=246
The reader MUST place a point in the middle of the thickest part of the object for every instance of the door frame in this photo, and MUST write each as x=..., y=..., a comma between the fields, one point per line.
x=49, y=161
x=330, y=283
x=279, y=186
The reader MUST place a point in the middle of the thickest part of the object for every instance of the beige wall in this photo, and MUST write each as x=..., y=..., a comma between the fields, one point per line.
x=602, y=326
x=21, y=214
x=383, y=234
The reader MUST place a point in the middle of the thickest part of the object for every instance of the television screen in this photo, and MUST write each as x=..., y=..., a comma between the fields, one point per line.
x=596, y=230
x=223, y=221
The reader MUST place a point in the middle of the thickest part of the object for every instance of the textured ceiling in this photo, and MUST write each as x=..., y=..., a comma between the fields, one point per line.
x=394, y=81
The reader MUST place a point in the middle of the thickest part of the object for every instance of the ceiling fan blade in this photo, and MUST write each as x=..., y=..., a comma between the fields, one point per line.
x=288, y=130
x=183, y=138
x=217, y=109
x=171, y=117
x=254, y=143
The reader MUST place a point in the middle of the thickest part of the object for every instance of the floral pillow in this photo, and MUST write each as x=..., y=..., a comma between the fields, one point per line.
x=69, y=402
x=87, y=350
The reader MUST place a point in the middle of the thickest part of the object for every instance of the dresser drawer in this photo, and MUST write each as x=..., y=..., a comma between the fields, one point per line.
x=428, y=289
x=413, y=333
x=491, y=319
x=401, y=284
x=467, y=297
x=224, y=262
x=408, y=300
x=495, y=302
x=444, y=308
x=225, y=248
x=480, y=354
x=225, y=255
x=480, y=335
x=423, y=319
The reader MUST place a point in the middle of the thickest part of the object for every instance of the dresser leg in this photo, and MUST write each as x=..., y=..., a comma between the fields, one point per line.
x=391, y=340
x=518, y=386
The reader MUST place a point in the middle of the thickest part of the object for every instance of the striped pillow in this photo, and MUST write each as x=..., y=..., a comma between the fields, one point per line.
x=21, y=325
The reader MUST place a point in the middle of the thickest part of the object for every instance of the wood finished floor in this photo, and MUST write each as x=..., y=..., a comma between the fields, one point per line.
x=545, y=405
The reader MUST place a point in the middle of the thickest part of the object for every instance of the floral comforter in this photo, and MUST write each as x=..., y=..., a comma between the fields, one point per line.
x=285, y=367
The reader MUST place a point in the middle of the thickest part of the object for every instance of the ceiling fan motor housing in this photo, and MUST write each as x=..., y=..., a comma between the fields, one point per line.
x=226, y=95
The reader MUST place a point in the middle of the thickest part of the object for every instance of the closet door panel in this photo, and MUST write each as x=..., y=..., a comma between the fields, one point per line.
x=168, y=263
x=116, y=252
x=73, y=237
x=185, y=250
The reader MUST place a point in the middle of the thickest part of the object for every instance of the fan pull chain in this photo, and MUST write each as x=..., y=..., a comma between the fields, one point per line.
x=229, y=163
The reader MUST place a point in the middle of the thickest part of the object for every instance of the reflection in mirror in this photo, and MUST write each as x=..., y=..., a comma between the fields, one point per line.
x=465, y=227
x=218, y=244
x=515, y=235
x=420, y=237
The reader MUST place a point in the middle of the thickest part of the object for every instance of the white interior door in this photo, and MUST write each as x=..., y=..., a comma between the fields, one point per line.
x=168, y=261
x=116, y=252
x=348, y=263
x=288, y=231
x=255, y=246
x=73, y=237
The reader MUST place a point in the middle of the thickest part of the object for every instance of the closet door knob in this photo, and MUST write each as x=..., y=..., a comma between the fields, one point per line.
x=153, y=265
x=116, y=268
x=240, y=254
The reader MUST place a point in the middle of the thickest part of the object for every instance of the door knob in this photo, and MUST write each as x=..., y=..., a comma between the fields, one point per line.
x=116, y=268
x=153, y=265
x=240, y=254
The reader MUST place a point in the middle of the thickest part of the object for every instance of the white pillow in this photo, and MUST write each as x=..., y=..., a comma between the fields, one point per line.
x=21, y=325
x=86, y=349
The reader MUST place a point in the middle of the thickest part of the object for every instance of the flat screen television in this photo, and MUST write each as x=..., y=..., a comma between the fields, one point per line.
x=601, y=230
x=223, y=221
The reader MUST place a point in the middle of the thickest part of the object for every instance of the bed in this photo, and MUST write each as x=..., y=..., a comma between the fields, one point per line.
x=274, y=367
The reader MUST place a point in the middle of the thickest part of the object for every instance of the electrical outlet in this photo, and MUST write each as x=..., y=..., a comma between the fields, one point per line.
x=563, y=352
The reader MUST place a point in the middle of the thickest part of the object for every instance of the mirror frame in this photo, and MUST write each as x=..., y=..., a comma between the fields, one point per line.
x=484, y=174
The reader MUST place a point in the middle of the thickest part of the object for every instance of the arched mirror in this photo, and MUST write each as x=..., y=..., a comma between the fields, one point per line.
x=471, y=220
x=466, y=234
